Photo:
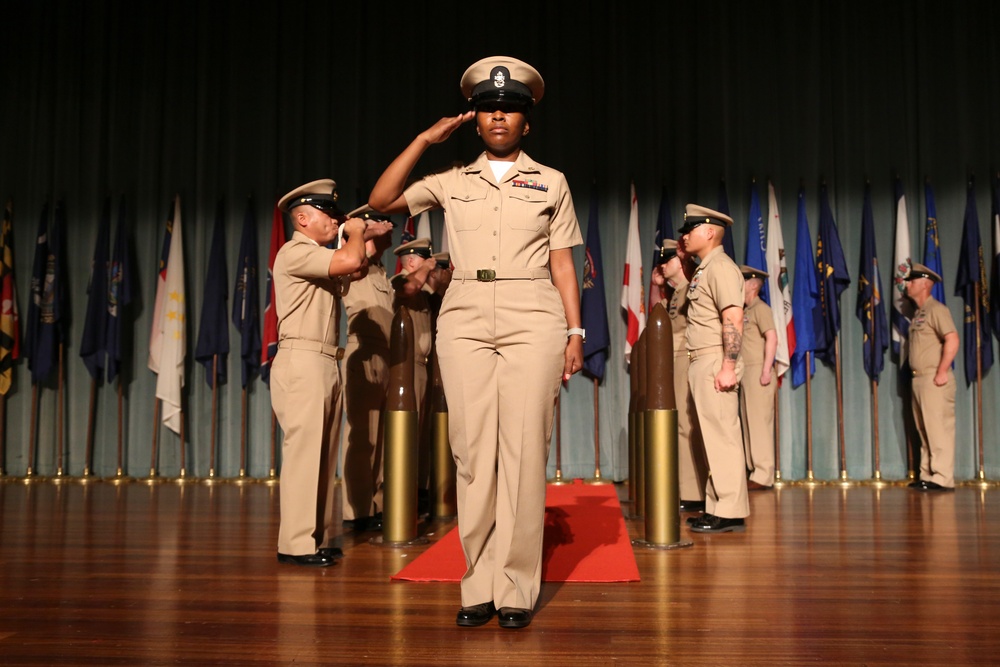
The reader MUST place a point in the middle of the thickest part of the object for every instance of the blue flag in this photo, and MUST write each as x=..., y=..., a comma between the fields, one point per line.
x=805, y=299
x=756, y=251
x=932, y=248
x=213, y=331
x=593, y=308
x=995, y=275
x=723, y=207
x=870, y=309
x=95, y=324
x=119, y=294
x=246, y=313
x=833, y=280
x=664, y=226
x=970, y=283
x=47, y=311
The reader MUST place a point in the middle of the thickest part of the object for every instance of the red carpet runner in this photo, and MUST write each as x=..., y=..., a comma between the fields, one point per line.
x=585, y=541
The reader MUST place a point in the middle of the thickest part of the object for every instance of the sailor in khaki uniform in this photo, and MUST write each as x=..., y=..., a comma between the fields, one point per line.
x=714, y=340
x=305, y=377
x=412, y=290
x=759, y=385
x=933, y=344
x=508, y=331
x=692, y=467
x=368, y=304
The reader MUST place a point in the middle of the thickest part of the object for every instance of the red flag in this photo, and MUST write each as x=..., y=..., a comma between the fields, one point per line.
x=270, y=346
x=10, y=328
x=632, y=301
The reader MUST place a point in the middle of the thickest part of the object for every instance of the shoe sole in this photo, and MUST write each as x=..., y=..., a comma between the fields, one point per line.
x=513, y=625
x=289, y=561
x=462, y=623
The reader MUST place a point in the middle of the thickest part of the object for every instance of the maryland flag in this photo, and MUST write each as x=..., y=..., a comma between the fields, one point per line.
x=10, y=328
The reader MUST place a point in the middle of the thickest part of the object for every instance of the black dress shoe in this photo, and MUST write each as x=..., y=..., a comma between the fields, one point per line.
x=512, y=617
x=915, y=485
x=332, y=553
x=318, y=559
x=476, y=615
x=718, y=524
x=691, y=520
x=932, y=486
x=692, y=506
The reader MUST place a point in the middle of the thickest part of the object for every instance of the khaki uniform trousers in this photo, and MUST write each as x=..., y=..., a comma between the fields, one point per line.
x=501, y=348
x=692, y=466
x=719, y=421
x=366, y=380
x=305, y=395
x=757, y=417
x=934, y=414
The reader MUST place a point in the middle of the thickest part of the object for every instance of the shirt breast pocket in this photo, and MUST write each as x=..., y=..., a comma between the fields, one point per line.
x=527, y=210
x=465, y=211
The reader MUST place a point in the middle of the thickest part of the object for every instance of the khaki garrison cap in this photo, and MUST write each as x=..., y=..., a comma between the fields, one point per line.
x=750, y=272
x=502, y=79
x=420, y=247
x=321, y=194
x=918, y=270
x=443, y=259
x=695, y=215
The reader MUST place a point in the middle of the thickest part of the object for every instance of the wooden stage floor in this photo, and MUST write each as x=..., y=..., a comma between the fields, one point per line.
x=132, y=574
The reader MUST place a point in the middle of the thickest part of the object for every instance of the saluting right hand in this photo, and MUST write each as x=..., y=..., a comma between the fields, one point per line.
x=354, y=226
x=442, y=129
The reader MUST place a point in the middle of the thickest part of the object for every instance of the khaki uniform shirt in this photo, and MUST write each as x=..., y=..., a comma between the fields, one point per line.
x=757, y=320
x=717, y=284
x=928, y=328
x=372, y=297
x=305, y=296
x=533, y=201
x=677, y=312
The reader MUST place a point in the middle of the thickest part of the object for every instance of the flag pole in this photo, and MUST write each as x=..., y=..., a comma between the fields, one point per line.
x=182, y=476
x=876, y=479
x=558, y=479
x=29, y=474
x=843, y=480
x=777, y=436
x=60, y=476
x=272, y=474
x=153, y=478
x=89, y=455
x=810, y=479
x=980, y=480
x=597, y=478
x=215, y=390
x=242, y=478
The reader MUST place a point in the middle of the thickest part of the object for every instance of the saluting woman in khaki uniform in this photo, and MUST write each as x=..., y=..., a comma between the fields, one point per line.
x=508, y=330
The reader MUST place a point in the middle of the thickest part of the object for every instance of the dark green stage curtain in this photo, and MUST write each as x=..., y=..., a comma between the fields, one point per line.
x=222, y=101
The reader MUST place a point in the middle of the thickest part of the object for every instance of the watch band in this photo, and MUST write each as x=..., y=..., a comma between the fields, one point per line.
x=582, y=333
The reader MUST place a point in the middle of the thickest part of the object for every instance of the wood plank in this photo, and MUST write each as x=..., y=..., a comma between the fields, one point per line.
x=134, y=574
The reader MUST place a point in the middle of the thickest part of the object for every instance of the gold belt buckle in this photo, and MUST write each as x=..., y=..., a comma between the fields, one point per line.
x=486, y=275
